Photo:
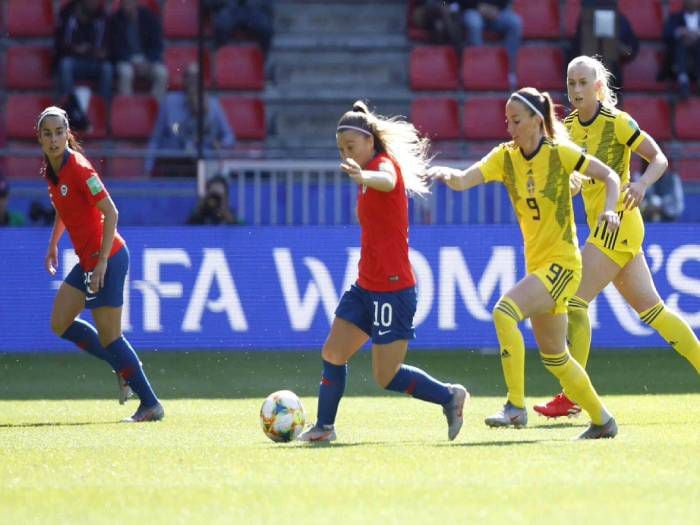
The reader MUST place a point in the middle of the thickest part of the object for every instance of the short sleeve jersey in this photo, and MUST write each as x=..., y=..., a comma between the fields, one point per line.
x=538, y=186
x=610, y=136
x=383, y=215
x=75, y=196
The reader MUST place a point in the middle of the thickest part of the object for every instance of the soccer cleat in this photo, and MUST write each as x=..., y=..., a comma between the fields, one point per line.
x=125, y=392
x=558, y=407
x=508, y=416
x=143, y=414
x=316, y=434
x=454, y=409
x=606, y=431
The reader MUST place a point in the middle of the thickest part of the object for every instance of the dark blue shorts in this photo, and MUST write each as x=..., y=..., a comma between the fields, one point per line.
x=112, y=294
x=384, y=316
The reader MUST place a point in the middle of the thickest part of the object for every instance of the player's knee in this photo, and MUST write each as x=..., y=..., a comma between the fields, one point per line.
x=502, y=317
x=331, y=354
x=59, y=325
x=383, y=377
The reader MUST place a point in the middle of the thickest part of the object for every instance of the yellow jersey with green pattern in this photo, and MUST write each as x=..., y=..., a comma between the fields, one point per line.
x=538, y=186
x=610, y=136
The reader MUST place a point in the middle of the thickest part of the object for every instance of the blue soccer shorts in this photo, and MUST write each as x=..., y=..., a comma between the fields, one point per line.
x=112, y=294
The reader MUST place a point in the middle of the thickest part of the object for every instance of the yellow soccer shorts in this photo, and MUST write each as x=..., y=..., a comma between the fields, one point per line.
x=624, y=244
x=561, y=283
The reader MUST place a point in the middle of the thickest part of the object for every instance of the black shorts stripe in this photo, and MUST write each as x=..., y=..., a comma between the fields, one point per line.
x=580, y=162
x=508, y=310
x=633, y=138
x=611, y=241
x=575, y=302
x=653, y=314
x=562, y=286
x=556, y=285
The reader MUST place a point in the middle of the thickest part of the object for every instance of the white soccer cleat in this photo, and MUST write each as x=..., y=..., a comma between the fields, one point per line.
x=508, y=416
x=142, y=415
x=316, y=434
x=454, y=410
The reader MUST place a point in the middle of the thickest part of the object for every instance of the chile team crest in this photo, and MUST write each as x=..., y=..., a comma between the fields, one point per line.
x=64, y=190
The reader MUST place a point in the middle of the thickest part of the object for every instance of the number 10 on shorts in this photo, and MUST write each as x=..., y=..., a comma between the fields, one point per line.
x=383, y=314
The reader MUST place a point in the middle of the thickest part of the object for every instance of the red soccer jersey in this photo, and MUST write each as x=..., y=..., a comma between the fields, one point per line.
x=383, y=215
x=75, y=196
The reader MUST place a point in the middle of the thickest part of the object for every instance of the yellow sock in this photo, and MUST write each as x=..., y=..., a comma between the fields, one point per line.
x=506, y=316
x=675, y=331
x=579, y=330
x=577, y=385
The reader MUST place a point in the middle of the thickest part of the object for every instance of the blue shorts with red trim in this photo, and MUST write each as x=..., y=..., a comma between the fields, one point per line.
x=112, y=294
x=384, y=316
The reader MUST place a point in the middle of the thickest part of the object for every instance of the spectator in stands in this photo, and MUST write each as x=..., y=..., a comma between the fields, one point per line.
x=213, y=207
x=615, y=51
x=253, y=17
x=441, y=20
x=136, y=47
x=7, y=216
x=81, y=47
x=175, y=130
x=682, y=39
x=664, y=200
x=499, y=17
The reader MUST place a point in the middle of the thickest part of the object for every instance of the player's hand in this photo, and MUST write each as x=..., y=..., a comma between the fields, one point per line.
x=449, y=176
x=611, y=218
x=353, y=170
x=51, y=260
x=634, y=193
x=576, y=183
x=97, y=280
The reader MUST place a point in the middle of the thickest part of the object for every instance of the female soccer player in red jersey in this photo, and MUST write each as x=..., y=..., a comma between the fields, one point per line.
x=385, y=158
x=86, y=211
x=612, y=135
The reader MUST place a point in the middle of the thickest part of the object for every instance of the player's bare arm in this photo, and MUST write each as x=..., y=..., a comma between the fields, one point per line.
x=603, y=173
x=458, y=180
x=109, y=210
x=378, y=180
x=650, y=151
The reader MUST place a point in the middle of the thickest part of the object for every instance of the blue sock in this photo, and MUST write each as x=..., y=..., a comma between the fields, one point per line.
x=414, y=382
x=330, y=391
x=129, y=367
x=84, y=335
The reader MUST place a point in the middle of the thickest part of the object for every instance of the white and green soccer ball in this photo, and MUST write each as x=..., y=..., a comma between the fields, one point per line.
x=282, y=416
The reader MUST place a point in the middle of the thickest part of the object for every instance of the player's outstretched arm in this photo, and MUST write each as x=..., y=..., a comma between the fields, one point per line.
x=378, y=180
x=650, y=151
x=603, y=173
x=458, y=180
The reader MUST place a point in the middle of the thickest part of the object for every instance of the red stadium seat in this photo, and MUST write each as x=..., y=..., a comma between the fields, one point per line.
x=97, y=115
x=688, y=169
x=133, y=117
x=30, y=18
x=433, y=67
x=640, y=74
x=484, y=119
x=572, y=11
x=240, y=67
x=178, y=58
x=646, y=17
x=21, y=112
x=180, y=18
x=651, y=113
x=246, y=116
x=541, y=67
x=540, y=18
x=437, y=118
x=414, y=32
x=687, y=119
x=29, y=68
x=485, y=68
x=126, y=167
x=25, y=167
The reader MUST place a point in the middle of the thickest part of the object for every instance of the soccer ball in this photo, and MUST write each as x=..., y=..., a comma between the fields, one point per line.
x=282, y=416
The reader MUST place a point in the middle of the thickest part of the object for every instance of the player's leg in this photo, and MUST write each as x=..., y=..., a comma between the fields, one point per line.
x=344, y=339
x=108, y=321
x=391, y=373
x=636, y=285
x=598, y=270
x=67, y=305
x=550, y=333
x=528, y=297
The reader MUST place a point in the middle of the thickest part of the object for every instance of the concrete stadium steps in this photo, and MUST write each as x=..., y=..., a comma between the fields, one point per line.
x=358, y=17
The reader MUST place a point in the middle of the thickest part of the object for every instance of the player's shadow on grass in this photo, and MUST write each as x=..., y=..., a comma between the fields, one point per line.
x=497, y=443
x=57, y=424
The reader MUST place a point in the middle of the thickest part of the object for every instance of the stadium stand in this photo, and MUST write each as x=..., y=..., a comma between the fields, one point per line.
x=433, y=68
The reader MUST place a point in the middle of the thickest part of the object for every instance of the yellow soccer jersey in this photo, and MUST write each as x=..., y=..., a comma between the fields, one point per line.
x=538, y=187
x=610, y=136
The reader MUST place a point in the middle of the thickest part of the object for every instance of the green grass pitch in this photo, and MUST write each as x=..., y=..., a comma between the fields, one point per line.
x=65, y=459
